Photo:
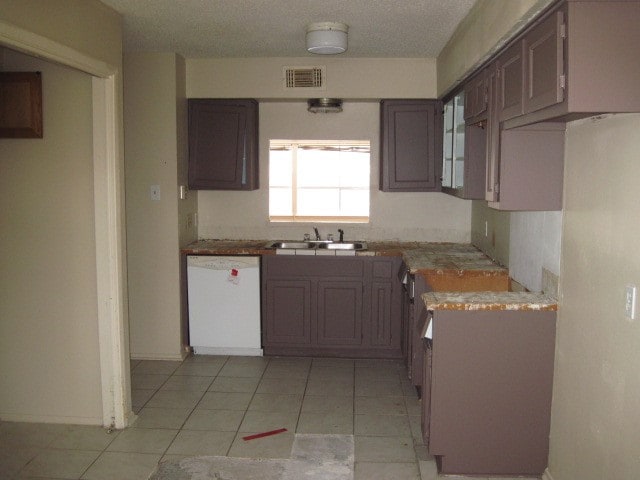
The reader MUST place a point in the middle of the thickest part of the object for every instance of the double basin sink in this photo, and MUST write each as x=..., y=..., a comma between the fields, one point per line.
x=317, y=244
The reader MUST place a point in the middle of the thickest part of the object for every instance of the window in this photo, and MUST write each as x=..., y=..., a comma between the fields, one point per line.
x=319, y=181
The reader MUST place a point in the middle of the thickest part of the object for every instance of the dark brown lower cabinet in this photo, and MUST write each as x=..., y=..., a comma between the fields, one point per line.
x=487, y=391
x=332, y=306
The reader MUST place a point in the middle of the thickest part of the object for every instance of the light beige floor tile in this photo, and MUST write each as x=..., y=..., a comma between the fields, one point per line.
x=275, y=370
x=225, y=401
x=200, y=369
x=384, y=449
x=173, y=458
x=188, y=382
x=172, y=418
x=133, y=364
x=365, y=388
x=239, y=360
x=333, y=362
x=274, y=446
x=282, y=385
x=327, y=404
x=242, y=370
x=143, y=440
x=121, y=465
x=428, y=470
x=146, y=381
x=326, y=423
x=206, y=359
x=219, y=420
x=342, y=374
x=235, y=384
x=174, y=399
x=12, y=459
x=19, y=434
x=273, y=402
x=422, y=454
x=413, y=405
x=85, y=437
x=380, y=406
x=60, y=463
x=209, y=442
x=387, y=471
x=326, y=387
x=416, y=429
x=255, y=421
x=292, y=361
x=140, y=397
x=374, y=374
x=382, y=425
x=157, y=367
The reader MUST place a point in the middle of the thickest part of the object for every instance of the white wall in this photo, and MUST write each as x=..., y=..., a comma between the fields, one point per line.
x=49, y=357
x=155, y=154
x=432, y=217
x=595, y=424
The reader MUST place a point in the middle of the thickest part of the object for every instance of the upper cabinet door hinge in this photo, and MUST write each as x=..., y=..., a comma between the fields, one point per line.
x=562, y=81
x=563, y=30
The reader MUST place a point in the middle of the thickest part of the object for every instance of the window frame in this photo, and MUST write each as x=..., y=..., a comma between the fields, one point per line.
x=294, y=218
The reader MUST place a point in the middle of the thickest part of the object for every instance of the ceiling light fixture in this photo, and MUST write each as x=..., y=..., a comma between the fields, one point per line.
x=327, y=38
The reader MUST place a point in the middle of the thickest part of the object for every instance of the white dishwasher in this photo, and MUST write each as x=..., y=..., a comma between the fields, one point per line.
x=224, y=305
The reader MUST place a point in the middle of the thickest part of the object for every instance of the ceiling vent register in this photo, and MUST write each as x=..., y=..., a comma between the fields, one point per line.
x=304, y=77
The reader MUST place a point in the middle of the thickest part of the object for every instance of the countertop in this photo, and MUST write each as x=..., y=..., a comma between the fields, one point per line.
x=488, y=301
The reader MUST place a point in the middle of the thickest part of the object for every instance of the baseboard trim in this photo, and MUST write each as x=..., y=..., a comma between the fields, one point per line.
x=547, y=475
x=152, y=356
x=28, y=418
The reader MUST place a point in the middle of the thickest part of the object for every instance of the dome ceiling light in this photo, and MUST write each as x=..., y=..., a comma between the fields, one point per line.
x=327, y=38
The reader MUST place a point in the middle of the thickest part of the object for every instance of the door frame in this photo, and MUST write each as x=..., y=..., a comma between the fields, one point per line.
x=108, y=176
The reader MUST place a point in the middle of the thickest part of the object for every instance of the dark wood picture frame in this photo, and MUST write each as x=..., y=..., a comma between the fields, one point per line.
x=20, y=105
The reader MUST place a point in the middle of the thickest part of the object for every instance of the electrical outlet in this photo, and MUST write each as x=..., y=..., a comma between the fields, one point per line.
x=155, y=192
x=630, y=302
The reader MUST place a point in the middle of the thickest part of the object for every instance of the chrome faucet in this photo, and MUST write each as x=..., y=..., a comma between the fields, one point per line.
x=341, y=235
x=317, y=234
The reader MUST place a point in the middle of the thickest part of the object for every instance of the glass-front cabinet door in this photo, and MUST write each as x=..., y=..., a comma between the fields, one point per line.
x=453, y=143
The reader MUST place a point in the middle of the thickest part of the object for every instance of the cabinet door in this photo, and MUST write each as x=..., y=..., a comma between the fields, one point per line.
x=475, y=98
x=223, y=144
x=544, y=67
x=492, y=179
x=510, y=76
x=288, y=312
x=425, y=399
x=410, y=146
x=381, y=315
x=339, y=319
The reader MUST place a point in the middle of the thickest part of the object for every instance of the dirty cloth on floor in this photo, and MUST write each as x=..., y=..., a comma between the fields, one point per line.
x=313, y=457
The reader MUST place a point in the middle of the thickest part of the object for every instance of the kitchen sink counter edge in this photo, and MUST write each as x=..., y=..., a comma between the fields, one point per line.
x=439, y=258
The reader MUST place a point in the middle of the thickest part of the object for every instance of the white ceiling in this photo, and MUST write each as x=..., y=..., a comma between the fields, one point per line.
x=276, y=28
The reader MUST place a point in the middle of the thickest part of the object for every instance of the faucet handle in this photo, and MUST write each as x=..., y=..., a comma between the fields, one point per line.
x=307, y=237
x=341, y=235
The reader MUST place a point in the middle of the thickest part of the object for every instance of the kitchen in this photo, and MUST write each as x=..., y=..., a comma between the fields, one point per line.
x=594, y=372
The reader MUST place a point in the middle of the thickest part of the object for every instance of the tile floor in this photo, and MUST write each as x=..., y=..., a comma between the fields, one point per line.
x=206, y=404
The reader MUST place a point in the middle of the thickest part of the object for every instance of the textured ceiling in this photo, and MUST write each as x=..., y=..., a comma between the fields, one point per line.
x=276, y=28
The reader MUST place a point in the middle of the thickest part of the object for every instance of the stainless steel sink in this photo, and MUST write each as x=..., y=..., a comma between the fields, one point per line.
x=344, y=246
x=321, y=244
x=289, y=245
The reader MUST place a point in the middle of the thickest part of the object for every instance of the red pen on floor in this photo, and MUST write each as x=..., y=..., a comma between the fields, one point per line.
x=264, y=434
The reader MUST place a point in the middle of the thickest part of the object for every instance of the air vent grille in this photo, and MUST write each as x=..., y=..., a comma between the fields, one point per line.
x=304, y=77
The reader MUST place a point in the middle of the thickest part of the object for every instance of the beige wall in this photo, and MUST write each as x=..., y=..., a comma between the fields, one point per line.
x=155, y=146
x=350, y=78
x=49, y=357
x=398, y=216
x=401, y=216
x=486, y=28
x=595, y=428
x=87, y=26
x=492, y=238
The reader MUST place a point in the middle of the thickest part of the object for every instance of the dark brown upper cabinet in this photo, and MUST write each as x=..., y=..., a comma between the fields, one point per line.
x=577, y=62
x=410, y=145
x=510, y=74
x=476, y=98
x=223, y=144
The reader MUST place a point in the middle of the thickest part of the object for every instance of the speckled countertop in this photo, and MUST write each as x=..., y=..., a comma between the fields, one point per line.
x=489, y=301
x=418, y=256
